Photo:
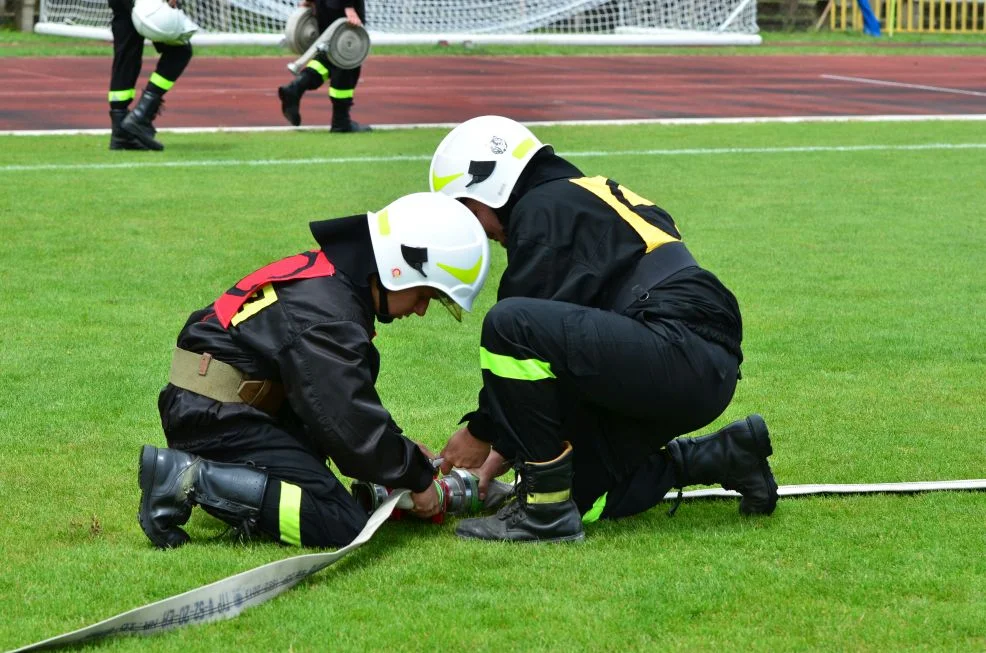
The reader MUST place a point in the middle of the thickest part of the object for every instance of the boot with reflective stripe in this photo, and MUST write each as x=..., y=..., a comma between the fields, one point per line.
x=734, y=457
x=139, y=123
x=172, y=482
x=119, y=139
x=542, y=512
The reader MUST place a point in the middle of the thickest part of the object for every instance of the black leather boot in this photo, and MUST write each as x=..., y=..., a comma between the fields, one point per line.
x=341, y=122
x=139, y=124
x=172, y=482
x=290, y=95
x=542, y=512
x=119, y=139
x=734, y=457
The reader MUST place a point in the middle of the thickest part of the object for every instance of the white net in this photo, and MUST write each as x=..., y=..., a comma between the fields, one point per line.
x=555, y=16
x=422, y=21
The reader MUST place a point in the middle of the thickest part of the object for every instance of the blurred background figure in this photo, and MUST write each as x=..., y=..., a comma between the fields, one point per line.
x=135, y=131
x=342, y=82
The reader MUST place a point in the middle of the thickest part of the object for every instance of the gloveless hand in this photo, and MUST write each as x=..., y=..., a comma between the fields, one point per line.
x=425, y=503
x=464, y=450
x=495, y=465
x=353, y=17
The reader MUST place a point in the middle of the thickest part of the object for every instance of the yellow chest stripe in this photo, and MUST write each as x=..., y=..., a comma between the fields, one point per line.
x=652, y=236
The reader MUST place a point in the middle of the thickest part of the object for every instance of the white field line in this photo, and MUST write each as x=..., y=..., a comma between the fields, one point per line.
x=920, y=87
x=958, y=117
x=716, y=151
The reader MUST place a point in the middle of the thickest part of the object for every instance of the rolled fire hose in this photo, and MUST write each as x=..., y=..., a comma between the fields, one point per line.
x=225, y=599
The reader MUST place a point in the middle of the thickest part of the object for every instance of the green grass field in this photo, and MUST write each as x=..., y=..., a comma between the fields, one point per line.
x=860, y=275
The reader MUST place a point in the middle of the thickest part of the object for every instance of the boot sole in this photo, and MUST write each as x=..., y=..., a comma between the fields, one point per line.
x=577, y=537
x=145, y=479
x=134, y=146
x=761, y=438
x=147, y=141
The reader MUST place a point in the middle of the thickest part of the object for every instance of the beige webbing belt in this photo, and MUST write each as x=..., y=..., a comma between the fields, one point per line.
x=203, y=374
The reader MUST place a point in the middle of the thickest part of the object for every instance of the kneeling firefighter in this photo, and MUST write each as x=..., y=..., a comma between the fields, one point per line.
x=608, y=341
x=278, y=374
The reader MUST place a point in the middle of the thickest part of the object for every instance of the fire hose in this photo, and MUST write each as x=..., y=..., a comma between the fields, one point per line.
x=227, y=598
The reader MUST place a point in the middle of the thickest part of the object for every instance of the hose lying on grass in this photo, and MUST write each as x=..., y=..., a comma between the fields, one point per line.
x=225, y=599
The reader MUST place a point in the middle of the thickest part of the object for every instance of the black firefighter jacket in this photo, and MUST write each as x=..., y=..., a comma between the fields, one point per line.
x=313, y=335
x=576, y=239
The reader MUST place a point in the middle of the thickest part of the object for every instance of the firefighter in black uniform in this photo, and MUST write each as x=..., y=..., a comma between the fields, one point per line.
x=278, y=374
x=342, y=82
x=135, y=130
x=607, y=342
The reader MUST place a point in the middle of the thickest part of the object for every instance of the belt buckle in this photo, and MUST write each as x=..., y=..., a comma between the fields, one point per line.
x=254, y=391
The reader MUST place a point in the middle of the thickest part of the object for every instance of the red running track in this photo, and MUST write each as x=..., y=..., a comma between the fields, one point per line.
x=70, y=92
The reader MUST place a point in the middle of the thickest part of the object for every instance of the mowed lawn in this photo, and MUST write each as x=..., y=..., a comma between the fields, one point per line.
x=857, y=253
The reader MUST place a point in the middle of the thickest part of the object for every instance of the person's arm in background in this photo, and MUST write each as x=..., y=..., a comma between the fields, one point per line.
x=353, y=17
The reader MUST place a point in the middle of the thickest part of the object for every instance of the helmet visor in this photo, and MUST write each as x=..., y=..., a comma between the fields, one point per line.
x=449, y=304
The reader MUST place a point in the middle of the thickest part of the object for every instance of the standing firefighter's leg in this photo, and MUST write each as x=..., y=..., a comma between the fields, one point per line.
x=139, y=124
x=119, y=139
x=290, y=94
x=734, y=457
x=128, y=47
x=342, y=91
x=543, y=511
x=172, y=481
x=341, y=122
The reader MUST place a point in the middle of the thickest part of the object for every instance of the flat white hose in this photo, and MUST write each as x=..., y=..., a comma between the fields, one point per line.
x=225, y=599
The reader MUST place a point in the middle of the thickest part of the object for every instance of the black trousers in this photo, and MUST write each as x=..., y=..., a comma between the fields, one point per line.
x=342, y=82
x=616, y=388
x=128, y=49
x=304, y=499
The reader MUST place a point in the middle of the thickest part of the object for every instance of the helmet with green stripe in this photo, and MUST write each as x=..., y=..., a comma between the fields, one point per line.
x=482, y=159
x=430, y=239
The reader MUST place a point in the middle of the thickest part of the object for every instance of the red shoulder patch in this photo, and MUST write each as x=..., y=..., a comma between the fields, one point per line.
x=306, y=265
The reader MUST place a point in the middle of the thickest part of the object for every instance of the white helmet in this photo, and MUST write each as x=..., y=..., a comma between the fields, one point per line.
x=482, y=159
x=161, y=23
x=430, y=239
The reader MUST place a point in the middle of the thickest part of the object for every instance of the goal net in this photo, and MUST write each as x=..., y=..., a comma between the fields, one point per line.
x=575, y=22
